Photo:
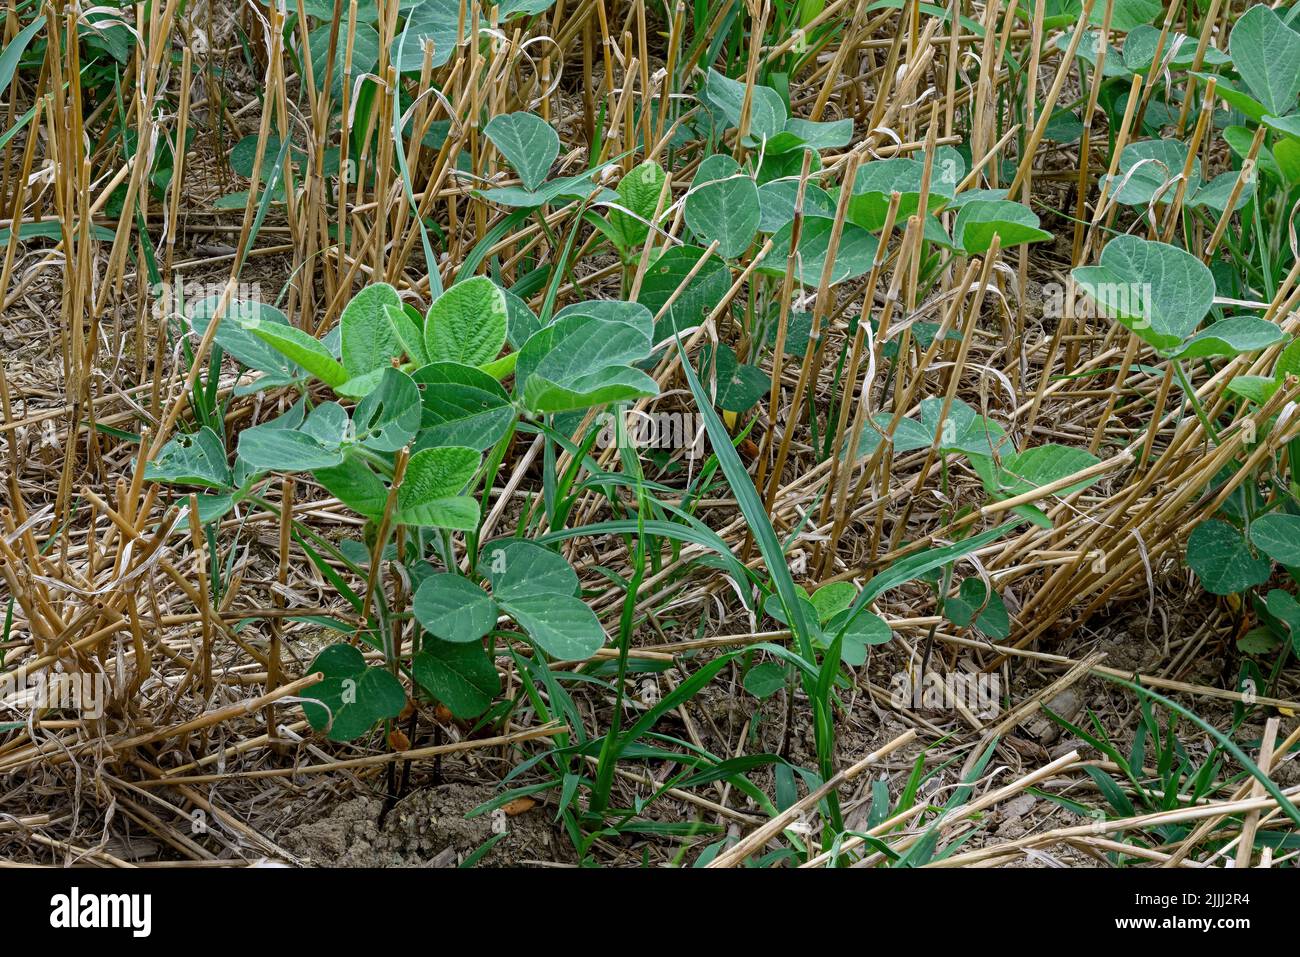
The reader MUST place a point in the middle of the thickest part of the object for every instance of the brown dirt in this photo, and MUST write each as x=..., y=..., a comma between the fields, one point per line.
x=428, y=828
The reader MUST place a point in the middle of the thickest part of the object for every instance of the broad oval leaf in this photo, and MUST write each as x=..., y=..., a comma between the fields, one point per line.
x=581, y=361
x=853, y=258
x=527, y=142
x=365, y=54
x=767, y=112
x=1013, y=223
x=1158, y=291
x=299, y=347
x=1149, y=170
x=369, y=342
x=197, y=458
x=388, y=418
x=638, y=193
x=461, y=676
x=430, y=493
x=355, y=484
x=467, y=323
x=776, y=203
x=240, y=343
x=722, y=205
x=462, y=406
x=1232, y=337
x=697, y=299
x=453, y=608
x=1266, y=52
x=976, y=604
x=517, y=567
x=1222, y=559
x=563, y=626
x=408, y=331
x=353, y=696
x=436, y=20
x=1277, y=535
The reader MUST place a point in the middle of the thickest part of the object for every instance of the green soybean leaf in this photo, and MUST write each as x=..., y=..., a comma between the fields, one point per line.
x=564, y=187
x=1222, y=559
x=462, y=406
x=722, y=205
x=365, y=54
x=467, y=323
x=518, y=568
x=581, y=361
x=511, y=9
x=853, y=258
x=453, y=608
x=776, y=203
x=1158, y=291
x=1286, y=154
x=1126, y=14
x=830, y=600
x=436, y=20
x=740, y=385
x=1290, y=125
x=811, y=134
x=406, y=330
x=265, y=448
x=527, y=142
x=764, y=679
x=1277, y=535
x=243, y=156
x=1231, y=337
x=536, y=587
x=876, y=181
x=1149, y=170
x=612, y=310
x=356, y=485
x=324, y=10
x=767, y=113
x=1266, y=52
x=353, y=696
x=564, y=627
x=197, y=458
x=1257, y=388
x=979, y=221
x=1288, y=362
x=461, y=676
x=1283, y=606
x=1088, y=51
x=521, y=322
x=327, y=423
x=860, y=631
x=298, y=347
x=638, y=193
x=1035, y=467
x=388, y=418
x=696, y=301
x=430, y=493
x=1216, y=193
x=976, y=603
x=238, y=342
x=369, y=342
x=962, y=430
x=1178, y=51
